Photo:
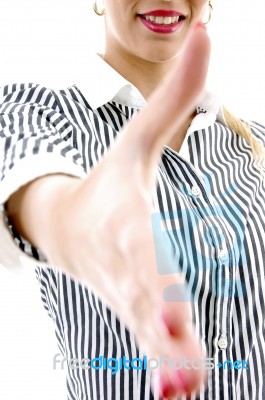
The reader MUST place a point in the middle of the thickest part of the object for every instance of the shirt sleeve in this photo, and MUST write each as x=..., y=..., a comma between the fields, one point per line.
x=35, y=140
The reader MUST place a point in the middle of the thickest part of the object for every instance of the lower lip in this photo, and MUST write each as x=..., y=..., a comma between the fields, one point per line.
x=161, y=28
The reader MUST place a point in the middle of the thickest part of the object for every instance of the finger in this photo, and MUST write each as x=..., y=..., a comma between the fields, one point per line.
x=172, y=102
x=173, y=313
x=170, y=321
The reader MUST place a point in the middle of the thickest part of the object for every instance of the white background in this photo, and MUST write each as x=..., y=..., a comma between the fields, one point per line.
x=42, y=41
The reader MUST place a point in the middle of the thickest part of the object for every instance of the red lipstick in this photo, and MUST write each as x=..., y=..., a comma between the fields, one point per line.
x=163, y=13
x=162, y=21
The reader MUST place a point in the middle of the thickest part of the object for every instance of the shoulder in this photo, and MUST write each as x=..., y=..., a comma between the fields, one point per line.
x=38, y=95
x=23, y=93
x=7, y=91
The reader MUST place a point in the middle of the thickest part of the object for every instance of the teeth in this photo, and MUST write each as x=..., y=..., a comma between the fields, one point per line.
x=159, y=20
x=167, y=21
x=162, y=20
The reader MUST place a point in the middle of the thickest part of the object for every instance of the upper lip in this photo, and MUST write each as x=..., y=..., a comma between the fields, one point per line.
x=163, y=13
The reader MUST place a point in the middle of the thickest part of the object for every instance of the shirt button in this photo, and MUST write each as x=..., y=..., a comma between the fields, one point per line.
x=195, y=190
x=223, y=254
x=222, y=343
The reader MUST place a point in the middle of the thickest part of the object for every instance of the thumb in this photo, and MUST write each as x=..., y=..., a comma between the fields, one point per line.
x=172, y=103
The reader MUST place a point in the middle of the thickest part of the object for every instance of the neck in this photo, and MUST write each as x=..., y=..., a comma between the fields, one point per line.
x=150, y=76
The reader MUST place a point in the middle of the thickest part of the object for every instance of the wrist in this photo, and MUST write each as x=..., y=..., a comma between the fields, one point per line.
x=32, y=209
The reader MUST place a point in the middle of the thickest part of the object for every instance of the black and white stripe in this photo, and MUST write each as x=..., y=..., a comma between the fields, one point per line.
x=211, y=202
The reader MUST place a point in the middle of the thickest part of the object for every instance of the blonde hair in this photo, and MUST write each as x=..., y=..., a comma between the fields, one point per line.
x=242, y=128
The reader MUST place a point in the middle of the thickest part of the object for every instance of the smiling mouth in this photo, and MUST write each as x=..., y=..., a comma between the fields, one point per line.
x=161, y=20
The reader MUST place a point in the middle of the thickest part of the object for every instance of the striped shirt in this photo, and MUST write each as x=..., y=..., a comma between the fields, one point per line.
x=208, y=212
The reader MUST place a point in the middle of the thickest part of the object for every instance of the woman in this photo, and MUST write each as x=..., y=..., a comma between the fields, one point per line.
x=132, y=219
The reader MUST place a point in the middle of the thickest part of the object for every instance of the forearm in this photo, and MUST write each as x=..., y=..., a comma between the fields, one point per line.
x=32, y=208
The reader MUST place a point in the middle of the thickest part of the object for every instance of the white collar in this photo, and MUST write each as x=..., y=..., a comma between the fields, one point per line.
x=100, y=83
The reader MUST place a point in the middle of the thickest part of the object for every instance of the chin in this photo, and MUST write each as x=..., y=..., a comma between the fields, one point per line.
x=161, y=57
x=161, y=54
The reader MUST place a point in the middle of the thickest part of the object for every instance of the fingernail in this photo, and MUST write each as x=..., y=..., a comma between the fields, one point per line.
x=166, y=324
x=180, y=381
x=165, y=388
x=200, y=25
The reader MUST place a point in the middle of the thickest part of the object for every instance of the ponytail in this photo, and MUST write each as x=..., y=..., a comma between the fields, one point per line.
x=242, y=128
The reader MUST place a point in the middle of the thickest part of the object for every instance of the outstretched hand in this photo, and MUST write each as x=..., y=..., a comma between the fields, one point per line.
x=102, y=233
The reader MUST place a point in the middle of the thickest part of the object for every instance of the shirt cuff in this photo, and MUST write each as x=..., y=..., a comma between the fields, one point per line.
x=26, y=170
